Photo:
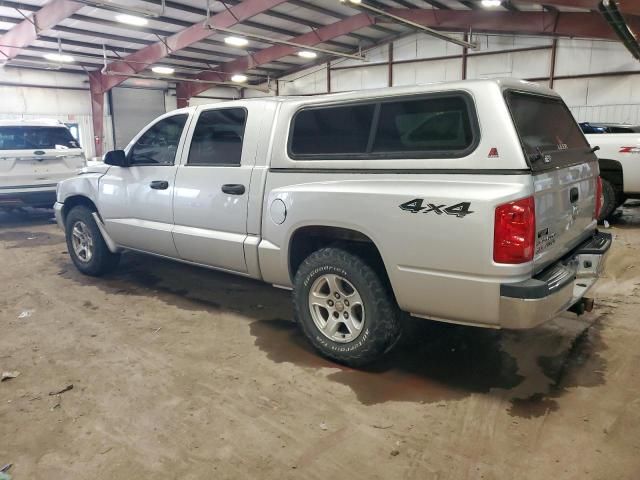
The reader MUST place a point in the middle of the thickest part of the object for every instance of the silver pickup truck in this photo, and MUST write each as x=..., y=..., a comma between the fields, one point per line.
x=470, y=202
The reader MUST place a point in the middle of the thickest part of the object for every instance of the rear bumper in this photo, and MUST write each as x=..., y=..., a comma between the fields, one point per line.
x=532, y=302
x=28, y=198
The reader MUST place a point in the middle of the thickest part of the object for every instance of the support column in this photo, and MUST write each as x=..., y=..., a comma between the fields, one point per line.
x=183, y=94
x=465, y=53
x=97, y=111
x=328, y=77
x=390, y=72
x=552, y=65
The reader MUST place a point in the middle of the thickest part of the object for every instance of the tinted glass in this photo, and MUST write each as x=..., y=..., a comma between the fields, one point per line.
x=333, y=130
x=544, y=124
x=34, y=138
x=159, y=144
x=424, y=125
x=217, y=138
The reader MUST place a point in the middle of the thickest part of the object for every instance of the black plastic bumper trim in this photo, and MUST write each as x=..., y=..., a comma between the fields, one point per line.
x=558, y=275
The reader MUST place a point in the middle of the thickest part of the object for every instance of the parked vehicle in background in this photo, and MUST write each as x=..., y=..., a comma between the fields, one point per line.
x=34, y=157
x=619, y=159
x=469, y=202
x=588, y=127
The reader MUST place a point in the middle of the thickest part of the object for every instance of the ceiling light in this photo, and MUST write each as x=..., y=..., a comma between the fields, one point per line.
x=132, y=20
x=236, y=41
x=491, y=3
x=239, y=78
x=307, y=54
x=58, y=57
x=355, y=2
x=163, y=70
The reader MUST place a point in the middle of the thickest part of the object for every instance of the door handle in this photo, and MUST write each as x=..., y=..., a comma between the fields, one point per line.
x=233, y=189
x=159, y=184
x=574, y=195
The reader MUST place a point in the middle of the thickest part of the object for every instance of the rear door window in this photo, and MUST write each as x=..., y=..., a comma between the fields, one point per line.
x=549, y=134
x=217, y=138
x=36, y=138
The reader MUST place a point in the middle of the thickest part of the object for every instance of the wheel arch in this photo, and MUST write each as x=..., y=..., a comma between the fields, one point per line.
x=309, y=238
x=611, y=170
x=74, y=201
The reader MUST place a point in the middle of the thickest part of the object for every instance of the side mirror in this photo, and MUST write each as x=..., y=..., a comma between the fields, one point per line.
x=117, y=158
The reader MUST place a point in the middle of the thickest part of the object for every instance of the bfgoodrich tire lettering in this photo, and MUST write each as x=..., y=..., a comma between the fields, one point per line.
x=100, y=260
x=380, y=327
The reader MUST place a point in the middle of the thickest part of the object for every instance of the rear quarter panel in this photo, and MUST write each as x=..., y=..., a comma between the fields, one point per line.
x=440, y=265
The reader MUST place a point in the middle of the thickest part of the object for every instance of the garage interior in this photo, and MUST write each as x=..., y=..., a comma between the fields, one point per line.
x=136, y=376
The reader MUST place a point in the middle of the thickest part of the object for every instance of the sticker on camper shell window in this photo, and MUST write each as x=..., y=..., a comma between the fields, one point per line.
x=418, y=205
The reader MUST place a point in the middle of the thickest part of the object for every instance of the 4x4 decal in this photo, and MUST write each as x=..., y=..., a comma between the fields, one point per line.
x=459, y=210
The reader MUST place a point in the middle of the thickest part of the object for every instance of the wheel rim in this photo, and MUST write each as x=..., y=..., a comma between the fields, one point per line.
x=337, y=308
x=82, y=241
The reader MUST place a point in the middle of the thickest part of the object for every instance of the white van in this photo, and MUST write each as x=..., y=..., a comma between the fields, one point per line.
x=34, y=156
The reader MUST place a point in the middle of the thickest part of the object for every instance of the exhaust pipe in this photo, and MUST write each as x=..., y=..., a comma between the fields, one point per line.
x=581, y=306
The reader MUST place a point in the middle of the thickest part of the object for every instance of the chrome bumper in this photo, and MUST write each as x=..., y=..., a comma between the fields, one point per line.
x=57, y=209
x=532, y=302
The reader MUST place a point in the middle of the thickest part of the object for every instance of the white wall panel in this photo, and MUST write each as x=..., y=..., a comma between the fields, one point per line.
x=491, y=66
x=574, y=91
x=611, y=57
x=532, y=64
x=573, y=57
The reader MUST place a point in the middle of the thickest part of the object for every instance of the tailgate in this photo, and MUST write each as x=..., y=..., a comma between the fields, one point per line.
x=565, y=173
x=40, y=167
x=33, y=155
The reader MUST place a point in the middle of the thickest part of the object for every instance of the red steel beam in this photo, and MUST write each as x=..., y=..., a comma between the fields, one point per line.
x=97, y=111
x=182, y=39
x=630, y=7
x=25, y=32
x=564, y=24
x=320, y=35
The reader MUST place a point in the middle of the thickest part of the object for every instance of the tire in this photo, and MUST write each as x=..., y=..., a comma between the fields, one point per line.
x=99, y=259
x=372, y=307
x=610, y=201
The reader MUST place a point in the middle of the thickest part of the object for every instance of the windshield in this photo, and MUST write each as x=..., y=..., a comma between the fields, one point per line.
x=33, y=138
x=545, y=125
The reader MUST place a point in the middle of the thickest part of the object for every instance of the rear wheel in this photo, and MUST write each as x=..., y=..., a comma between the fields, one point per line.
x=86, y=245
x=344, y=308
x=609, y=200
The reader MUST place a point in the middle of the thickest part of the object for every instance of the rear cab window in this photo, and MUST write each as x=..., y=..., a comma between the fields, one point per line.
x=549, y=135
x=36, y=138
x=425, y=126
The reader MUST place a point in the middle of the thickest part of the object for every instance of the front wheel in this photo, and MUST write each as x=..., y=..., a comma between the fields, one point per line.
x=85, y=244
x=344, y=308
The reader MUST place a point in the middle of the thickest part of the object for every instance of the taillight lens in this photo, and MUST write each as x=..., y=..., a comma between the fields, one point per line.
x=514, y=231
x=599, y=199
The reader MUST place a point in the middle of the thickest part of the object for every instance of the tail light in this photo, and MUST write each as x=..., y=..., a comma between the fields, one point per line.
x=599, y=199
x=514, y=231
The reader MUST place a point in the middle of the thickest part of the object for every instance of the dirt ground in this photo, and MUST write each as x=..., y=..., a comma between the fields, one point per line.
x=183, y=373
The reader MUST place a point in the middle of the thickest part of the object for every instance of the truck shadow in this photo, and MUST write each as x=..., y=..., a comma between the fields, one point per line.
x=26, y=217
x=433, y=362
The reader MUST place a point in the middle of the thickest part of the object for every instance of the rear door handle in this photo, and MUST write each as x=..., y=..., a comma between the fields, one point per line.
x=233, y=189
x=159, y=184
x=574, y=195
